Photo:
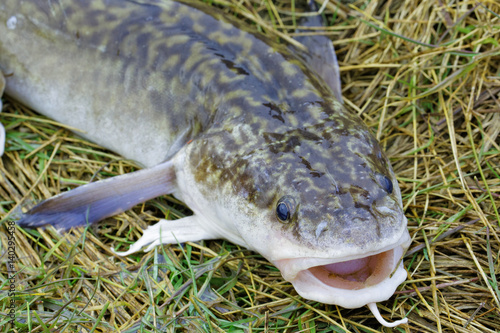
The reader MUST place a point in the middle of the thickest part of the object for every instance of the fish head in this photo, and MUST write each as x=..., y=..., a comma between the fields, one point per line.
x=320, y=201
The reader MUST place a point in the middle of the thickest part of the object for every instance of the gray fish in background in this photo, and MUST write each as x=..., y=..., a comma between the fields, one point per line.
x=240, y=128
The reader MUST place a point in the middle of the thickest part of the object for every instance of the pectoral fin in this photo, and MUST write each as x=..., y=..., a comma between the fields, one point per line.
x=187, y=229
x=95, y=201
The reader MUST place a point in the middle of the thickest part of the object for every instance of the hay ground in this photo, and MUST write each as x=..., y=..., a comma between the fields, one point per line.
x=424, y=75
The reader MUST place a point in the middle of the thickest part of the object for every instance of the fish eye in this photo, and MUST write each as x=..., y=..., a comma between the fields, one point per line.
x=386, y=183
x=284, y=209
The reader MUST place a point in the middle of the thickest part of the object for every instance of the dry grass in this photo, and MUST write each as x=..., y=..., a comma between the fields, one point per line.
x=424, y=75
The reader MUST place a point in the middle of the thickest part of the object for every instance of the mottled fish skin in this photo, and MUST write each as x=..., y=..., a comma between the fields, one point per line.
x=248, y=124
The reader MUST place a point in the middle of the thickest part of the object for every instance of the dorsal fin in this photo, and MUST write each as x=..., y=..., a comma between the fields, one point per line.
x=320, y=53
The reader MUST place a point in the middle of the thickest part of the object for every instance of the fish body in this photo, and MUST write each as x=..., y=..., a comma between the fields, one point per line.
x=242, y=130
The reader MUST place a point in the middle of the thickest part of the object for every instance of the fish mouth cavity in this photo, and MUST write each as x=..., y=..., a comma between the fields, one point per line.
x=357, y=273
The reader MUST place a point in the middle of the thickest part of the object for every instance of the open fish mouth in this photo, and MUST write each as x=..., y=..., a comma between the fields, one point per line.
x=357, y=273
x=350, y=282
